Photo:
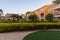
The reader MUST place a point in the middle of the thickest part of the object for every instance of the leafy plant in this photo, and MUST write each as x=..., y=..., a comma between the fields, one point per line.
x=49, y=17
x=33, y=17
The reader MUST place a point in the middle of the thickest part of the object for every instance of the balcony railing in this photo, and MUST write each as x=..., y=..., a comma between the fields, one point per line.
x=55, y=7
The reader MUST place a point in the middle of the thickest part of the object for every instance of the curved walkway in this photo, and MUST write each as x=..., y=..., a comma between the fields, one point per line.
x=14, y=35
x=18, y=35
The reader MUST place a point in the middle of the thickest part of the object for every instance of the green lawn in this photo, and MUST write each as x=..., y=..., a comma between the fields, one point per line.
x=43, y=35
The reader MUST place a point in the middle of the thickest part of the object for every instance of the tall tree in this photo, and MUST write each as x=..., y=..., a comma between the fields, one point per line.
x=33, y=17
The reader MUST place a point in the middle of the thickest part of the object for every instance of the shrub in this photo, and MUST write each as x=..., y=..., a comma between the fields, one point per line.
x=49, y=17
x=7, y=27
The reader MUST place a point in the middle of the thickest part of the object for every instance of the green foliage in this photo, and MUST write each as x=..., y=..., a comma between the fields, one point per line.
x=7, y=27
x=16, y=17
x=20, y=17
x=33, y=17
x=49, y=17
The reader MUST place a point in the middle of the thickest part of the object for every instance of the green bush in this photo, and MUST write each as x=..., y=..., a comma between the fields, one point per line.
x=7, y=27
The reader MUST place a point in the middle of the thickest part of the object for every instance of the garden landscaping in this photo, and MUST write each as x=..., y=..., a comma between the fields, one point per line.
x=43, y=35
x=42, y=27
x=9, y=27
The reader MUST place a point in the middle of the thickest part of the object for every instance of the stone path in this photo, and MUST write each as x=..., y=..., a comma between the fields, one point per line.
x=14, y=35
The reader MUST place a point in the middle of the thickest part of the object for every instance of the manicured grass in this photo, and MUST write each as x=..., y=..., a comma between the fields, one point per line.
x=43, y=35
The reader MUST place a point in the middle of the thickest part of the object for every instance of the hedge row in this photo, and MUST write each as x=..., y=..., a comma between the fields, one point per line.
x=7, y=27
x=8, y=21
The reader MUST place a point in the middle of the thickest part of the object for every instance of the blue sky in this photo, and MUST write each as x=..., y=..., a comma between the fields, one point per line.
x=21, y=6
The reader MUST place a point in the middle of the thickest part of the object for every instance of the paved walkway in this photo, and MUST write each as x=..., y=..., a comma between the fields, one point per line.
x=14, y=35
x=18, y=35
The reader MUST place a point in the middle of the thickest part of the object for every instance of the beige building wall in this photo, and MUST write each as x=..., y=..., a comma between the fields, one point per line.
x=45, y=10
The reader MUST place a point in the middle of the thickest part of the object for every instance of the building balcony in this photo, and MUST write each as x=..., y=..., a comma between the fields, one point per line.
x=57, y=6
x=56, y=1
x=56, y=15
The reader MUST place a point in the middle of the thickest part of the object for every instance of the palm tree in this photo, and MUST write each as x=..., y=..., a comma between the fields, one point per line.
x=19, y=17
x=33, y=17
x=14, y=16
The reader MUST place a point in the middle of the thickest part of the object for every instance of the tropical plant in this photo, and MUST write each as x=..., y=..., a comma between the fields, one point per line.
x=49, y=17
x=14, y=16
x=33, y=17
x=19, y=18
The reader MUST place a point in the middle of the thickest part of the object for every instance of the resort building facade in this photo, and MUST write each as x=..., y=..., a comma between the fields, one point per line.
x=56, y=7
x=53, y=8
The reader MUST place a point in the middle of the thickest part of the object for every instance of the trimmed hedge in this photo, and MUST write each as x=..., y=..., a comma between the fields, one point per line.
x=7, y=27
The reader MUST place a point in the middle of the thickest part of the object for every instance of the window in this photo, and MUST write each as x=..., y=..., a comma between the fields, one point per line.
x=42, y=14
